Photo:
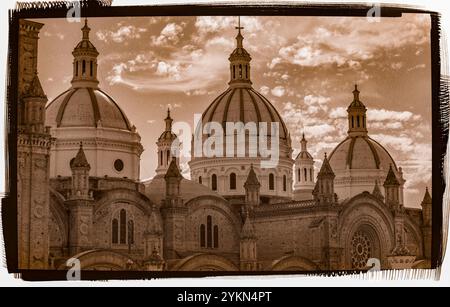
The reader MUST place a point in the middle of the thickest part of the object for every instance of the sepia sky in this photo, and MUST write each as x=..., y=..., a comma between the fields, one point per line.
x=306, y=66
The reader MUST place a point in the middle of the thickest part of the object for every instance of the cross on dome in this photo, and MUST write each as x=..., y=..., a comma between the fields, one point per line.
x=239, y=37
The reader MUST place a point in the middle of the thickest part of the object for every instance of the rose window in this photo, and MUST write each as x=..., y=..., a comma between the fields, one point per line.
x=360, y=251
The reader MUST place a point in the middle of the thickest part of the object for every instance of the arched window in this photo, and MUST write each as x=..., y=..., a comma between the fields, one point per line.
x=130, y=232
x=364, y=121
x=271, y=182
x=76, y=68
x=357, y=121
x=83, y=69
x=209, y=238
x=240, y=71
x=299, y=175
x=200, y=180
x=123, y=226
x=91, y=68
x=115, y=231
x=234, y=72
x=168, y=157
x=311, y=175
x=246, y=71
x=232, y=181
x=202, y=235
x=209, y=234
x=353, y=122
x=284, y=183
x=214, y=182
x=161, y=158
x=306, y=174
x=216, y=236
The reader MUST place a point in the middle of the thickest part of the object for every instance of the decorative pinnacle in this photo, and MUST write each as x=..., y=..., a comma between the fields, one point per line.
x=86, y=30
x=356, y=93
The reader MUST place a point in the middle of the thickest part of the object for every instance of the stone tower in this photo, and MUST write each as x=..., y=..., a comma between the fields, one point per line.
x=427, y=218
x=357, y=125
x=324, y=190
x=80, y=205
x=248, y=248
x=174, y=213
x=33, y=154
x=304, y=173
x=392, y=189
x=168, y=147
x=85, y=62
x=252, y=189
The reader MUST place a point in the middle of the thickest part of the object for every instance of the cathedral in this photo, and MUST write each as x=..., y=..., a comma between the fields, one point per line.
x=80, y=194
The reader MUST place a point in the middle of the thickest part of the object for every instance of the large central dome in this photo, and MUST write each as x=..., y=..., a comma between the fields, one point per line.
x=244, y=104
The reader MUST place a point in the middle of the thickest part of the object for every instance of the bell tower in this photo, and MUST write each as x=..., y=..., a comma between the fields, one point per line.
x=304, y=173
x=240, y=62
x=357, y=125
x=85, y=61
x=33, y=155
x=168, y=147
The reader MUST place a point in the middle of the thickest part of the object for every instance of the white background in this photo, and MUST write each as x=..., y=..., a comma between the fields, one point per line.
x=9, y=280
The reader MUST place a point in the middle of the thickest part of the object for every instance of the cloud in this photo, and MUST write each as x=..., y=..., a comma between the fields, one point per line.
x=264, y=90
x=339, y=112
x=419, y=66
x=225, y=43
x=383, y=115
x=210, y=24
x=347, y=42
x=121, y=34
x=397, y=65
x=170, y=106
x=168, y=70
x=278, y=91
x=170, y=34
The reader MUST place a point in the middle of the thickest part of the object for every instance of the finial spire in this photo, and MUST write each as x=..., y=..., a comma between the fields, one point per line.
x=304, y=143
x=356, y=93
x=168, y=121
x=239, y=37
x=86, y=30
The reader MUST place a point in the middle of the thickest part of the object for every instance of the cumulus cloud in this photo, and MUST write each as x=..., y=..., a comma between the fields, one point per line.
x=382, y=115
x=278, y=91
x=347, y=42
x=264, y=90
x=121, y=34
x=339, y=112
x=170, y=34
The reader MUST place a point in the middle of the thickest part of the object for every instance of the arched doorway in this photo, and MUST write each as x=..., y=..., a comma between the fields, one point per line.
x=102, y=260
x=294, y=264
x=205, y=262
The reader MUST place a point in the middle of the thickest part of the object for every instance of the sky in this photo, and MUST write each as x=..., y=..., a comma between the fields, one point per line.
x=306, y=66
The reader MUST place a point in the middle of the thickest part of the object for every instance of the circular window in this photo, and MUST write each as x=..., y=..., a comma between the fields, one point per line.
x=118, y=165
x=361, y=250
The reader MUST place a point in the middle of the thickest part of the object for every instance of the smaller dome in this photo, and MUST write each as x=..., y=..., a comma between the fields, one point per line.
x=360, y=152
x=86, y=45
x=86, y=107
x=304, y=155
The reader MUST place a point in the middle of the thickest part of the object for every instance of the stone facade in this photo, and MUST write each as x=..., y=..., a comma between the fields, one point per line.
x=249, y=219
